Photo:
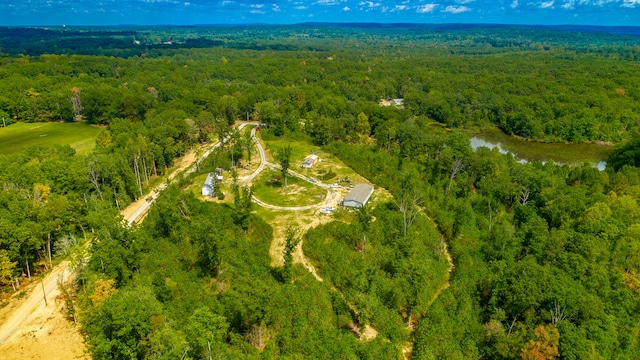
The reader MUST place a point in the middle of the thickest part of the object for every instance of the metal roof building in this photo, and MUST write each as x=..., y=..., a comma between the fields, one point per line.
x=358, y=196
x=309, y=161
x=209, y=185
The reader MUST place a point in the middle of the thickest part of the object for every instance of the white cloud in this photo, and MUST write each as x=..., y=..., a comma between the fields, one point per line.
x=514, y=4
x=257, y=6
x=630, y=3
x=259, y=12
x=346, y=8
x=464, y=1
x=427, y=8
x=569, y=4
x=327, y=2
x=456, y=9
x=547, y=4
x=400, y=8
x=301, y=7
x=369, y=4
x=275, y=8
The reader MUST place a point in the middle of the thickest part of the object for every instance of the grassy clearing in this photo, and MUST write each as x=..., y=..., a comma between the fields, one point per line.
x=79, y=136
x=296, y=193
x=195, y=187
x=327, y=163
x=299, y=150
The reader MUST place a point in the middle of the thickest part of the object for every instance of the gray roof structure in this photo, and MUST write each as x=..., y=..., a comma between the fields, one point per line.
x=209, y=185
x=209, y=181
x=360, y=194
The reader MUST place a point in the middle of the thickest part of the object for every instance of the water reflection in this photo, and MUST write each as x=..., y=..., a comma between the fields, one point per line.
x=476, y=143
x=521, y=156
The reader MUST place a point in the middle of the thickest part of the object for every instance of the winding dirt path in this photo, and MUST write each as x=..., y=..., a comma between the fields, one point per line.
x=305, y=219
x=407, y=349
x=329, y=199
x=446, y=283
x=310, y=220
x=277, y=246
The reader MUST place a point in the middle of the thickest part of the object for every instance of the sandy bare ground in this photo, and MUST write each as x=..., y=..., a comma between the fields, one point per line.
x=369, y=333
x=305, y=220
x=33, y=329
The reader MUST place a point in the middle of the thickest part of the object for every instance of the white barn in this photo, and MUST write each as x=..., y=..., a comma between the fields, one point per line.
x=358, y=196
x=208, y=188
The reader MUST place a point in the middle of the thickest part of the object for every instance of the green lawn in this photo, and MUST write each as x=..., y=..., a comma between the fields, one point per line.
x=299, y=150
x=296, y=193
x=79, y=136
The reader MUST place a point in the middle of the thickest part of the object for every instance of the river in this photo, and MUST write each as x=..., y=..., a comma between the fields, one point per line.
x=530, y=151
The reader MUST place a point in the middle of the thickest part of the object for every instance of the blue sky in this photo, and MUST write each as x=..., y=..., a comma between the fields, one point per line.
x=184, y=12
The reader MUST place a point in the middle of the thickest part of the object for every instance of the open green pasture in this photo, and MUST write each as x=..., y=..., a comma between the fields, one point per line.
x=79, y=136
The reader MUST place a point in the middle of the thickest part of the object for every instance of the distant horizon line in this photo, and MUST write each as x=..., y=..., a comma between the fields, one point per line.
x=346, y=23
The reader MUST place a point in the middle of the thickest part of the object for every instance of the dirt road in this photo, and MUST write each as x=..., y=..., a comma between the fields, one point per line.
x=33, y=329
x=24, y=324
x=34, y=300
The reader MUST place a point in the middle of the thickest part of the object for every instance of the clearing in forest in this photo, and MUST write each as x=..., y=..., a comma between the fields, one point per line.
x=80, y=136
x=269, y=187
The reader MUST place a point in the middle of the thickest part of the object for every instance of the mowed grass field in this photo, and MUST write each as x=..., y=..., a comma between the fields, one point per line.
x=79, y=136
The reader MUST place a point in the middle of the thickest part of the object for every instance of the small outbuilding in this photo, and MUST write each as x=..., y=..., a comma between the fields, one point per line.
x=397, y=102
x=208, y=188
x=358, y=196
x=309, y=161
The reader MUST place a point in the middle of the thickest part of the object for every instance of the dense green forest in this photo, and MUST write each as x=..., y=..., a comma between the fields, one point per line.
x=523, y=82
x=546, y=258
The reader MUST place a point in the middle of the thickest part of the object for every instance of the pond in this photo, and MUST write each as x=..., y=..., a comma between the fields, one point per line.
x=530, y=151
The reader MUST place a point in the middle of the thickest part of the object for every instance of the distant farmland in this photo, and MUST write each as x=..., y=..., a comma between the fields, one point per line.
x=79, y=136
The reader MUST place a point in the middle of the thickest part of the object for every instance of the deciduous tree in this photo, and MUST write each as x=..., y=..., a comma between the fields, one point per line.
x=283, y=156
